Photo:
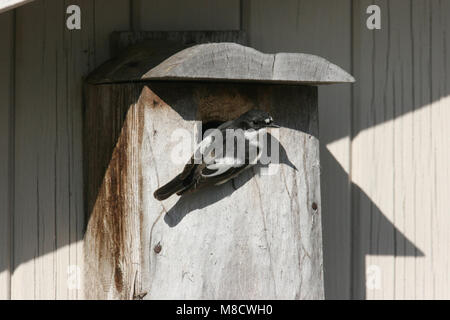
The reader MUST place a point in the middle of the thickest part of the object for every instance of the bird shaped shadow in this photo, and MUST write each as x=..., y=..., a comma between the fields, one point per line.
x=197, y=200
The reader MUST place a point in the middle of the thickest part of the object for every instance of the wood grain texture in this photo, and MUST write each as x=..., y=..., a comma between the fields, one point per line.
x=6, y=136
x=49, y=207
x=220, y=243
x=117, y=17
x=139, y=52
x=323, y=28
x=48, y=191
x=320, y=27
x=235, y=62
x=35, y=210
x=400, y=150
x=112, y=242
x=78, y=61
x=222, y=61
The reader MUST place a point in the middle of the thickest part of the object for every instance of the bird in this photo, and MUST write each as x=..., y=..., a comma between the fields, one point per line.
x=214, y=168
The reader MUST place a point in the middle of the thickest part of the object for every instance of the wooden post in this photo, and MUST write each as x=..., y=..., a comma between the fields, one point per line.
x=258, y=237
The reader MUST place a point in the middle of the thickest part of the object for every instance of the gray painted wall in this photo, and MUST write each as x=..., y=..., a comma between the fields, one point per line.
x=384, y=141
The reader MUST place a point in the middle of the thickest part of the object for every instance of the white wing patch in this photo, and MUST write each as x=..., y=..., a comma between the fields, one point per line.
x=223, y=164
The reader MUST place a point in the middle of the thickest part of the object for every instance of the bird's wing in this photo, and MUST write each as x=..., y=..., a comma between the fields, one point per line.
x=219, y=171
x=227, y=166
x=197, y=158
x=225, y=125
x=220, y=168
x=188, y=169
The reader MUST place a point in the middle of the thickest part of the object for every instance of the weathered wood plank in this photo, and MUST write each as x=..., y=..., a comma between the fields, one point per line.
x=323, y=28
x=441, y=176
x=430, y=30
x=112, y=242
x=39, y=204
x=241, y=253
x=6, y=132
x=73, y=64
x=222, y=243
x=62, y=165
x=140, y=51
x=304, y=28
x=50, y=221
x=403, y=104
x=34, y=201
x=235, y=62
x=43, y=166
x=375, y=237
x=49, y=215
x=223, y=62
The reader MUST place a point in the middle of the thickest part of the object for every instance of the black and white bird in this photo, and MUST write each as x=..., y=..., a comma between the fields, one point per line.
x=216, y=169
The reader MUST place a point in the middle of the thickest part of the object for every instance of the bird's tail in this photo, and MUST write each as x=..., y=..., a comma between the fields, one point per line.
x=172, y=187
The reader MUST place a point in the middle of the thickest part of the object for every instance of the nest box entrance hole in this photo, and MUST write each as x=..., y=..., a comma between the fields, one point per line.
x=208, y=125
x=221, y=102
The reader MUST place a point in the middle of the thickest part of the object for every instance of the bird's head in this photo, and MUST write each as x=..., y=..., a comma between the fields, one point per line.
x=256, y=120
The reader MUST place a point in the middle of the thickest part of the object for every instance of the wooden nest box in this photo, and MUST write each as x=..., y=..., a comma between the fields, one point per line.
x=256, y=237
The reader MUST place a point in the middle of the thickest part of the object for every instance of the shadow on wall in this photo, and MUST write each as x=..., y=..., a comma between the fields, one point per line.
x=403, y=67
x=385, y=228
x=386, y=234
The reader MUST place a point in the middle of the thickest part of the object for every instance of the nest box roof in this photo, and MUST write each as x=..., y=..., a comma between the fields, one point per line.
x=6, y=5
x=163, y=60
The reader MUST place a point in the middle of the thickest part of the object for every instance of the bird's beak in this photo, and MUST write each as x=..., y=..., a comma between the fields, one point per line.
x=272, y=125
